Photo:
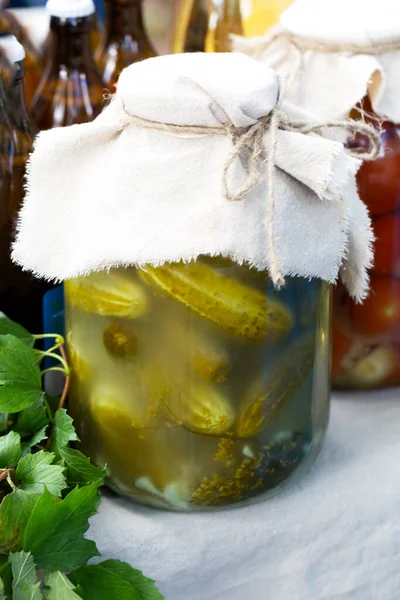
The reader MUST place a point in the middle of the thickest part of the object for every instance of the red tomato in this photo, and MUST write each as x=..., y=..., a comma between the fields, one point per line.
x=379, y=184
x=380, y=313
x=387, y=245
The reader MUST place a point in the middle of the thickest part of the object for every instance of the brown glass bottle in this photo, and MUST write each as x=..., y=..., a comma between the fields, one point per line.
x=96, y=35
x=9, y=24
x=71, y=90
x=20, y=294
x=225, y=18
x=190, y=26
x=125, y=40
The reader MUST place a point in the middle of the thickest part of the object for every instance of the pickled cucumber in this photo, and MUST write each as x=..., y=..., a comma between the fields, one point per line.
x=236, y=308
x=79, y=366
x=211, y=365
x=111, y=293
x=115, y=411
x=272, y=391
x=201, y=409
x=119, y=342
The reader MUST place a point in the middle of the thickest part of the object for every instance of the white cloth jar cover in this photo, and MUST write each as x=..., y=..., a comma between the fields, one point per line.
x=166, y=173
x=334, y=53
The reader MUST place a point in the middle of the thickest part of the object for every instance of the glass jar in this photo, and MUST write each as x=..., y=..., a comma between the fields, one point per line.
x=366, y=337
x=198, y=384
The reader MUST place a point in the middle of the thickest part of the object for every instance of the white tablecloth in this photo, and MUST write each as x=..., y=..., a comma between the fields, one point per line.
x=333, y=536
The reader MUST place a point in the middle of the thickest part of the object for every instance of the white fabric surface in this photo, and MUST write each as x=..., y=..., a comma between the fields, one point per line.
x=335, y=535
x=115, y=192
x=330, y=84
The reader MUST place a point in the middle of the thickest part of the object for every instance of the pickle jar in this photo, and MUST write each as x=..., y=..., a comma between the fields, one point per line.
x=197, y=308
x=197, y=384
x=342, y=59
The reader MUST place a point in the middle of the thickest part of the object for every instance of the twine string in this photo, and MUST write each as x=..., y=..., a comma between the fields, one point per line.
x=257, y=151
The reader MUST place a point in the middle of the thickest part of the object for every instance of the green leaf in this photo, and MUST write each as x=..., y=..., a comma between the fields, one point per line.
x=25, y=585
x=60, y=545
x=6, y=576
x=3, y=420
x=10, y=327
x=10, y=449
x=20, y=378
x=59, y=587
x=38, y=437
x=2, y=592
x=36, y=473
x=32, y=419
x=113, y=578
x=79, y=469
x=15, y=511
x=64, y=431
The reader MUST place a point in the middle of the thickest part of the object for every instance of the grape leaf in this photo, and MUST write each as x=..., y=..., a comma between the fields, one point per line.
x=3, y=420
x=25, y=585
x=114, y=578
x=38, y=437
x=36, y=473
x=79, y=469
x=59, y=587
x=10, y=327
x=20, y=378
x=10, y=449
x=64, y=431
x=6, y=575
x=60, y=545
x=15, y=511
x=31, y=419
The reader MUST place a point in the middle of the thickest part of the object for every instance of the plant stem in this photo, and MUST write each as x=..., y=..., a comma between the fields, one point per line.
x=53, y=369
x=6, y=474
x=47, y=405
x=58, y=338
x=64, y=392
x=62, y=359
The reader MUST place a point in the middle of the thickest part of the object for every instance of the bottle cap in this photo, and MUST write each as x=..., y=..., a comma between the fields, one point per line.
x=70, y=9
x=14, y=51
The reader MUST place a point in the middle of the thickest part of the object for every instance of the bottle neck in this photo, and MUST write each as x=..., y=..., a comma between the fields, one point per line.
x=124, y=18
x=16, y=95
x=70, y=43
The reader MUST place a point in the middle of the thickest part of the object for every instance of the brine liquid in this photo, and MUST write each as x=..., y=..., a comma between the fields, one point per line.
x=166, y=399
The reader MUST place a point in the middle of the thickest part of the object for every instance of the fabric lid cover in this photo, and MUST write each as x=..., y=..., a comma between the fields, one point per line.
x=348, y=49
x=122, y=191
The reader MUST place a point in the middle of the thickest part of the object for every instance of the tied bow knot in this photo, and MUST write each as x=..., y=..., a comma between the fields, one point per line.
x=256, y=151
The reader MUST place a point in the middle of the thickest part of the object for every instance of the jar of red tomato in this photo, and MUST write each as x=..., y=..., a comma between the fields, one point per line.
x=342, y=59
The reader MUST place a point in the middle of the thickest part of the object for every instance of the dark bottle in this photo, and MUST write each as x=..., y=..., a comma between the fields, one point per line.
x=71, y=90
x=125, y=40
x=20, y=294
x=190, y=26
x=5, y=66
x=10, y=26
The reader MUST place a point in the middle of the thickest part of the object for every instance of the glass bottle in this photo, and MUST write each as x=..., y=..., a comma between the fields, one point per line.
x=71, y=90
x=366, y=338
x=190, y=26
x=185, y=391
x=5, y=66
x=224, y=19
x=9, y=25
x=125, y=39
x=20, y=293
